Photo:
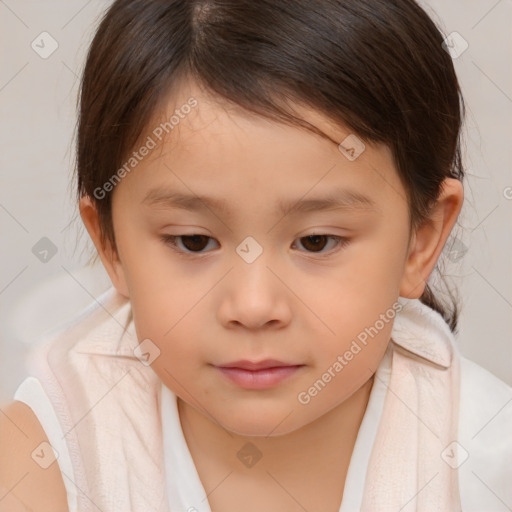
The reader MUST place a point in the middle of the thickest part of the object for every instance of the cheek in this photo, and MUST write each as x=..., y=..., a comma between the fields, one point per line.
x=346, y=363
x=169, y=316
x=357, y=295
x=172, y=323
x=169, y=308
x=358, y=307
x=361, y=335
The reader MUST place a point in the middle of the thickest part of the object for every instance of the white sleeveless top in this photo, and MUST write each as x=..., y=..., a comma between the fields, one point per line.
x=484, y=440
x=185, y=490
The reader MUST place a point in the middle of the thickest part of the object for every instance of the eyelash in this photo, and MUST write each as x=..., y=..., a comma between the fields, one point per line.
x=170, y=240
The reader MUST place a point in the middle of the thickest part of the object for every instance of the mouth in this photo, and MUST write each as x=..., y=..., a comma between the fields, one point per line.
x=258, y=375
x=265, y=364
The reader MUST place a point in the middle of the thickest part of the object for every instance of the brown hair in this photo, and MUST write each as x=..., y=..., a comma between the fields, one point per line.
x=375, y=66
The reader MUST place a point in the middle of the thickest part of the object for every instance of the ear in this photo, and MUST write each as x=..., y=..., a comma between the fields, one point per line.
x=428, y=240
x=107, y=253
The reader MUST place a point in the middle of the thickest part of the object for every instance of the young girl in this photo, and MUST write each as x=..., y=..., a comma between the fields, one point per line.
x=269, y=186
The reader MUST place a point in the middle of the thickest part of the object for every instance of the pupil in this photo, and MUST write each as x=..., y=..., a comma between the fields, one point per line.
x=195, y=239
x=315, y=239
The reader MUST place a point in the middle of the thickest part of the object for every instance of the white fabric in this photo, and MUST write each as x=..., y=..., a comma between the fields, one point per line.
x=32, y=393
x=419, y=419
x=186, y=492
x=484, y=427
x=184, y=487
x=489, y=443
x=485, y=433
x=107, y=403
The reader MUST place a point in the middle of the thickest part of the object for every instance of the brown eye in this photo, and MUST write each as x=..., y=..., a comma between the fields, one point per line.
x=191, y=243
x=314, y=242
x=195, y=242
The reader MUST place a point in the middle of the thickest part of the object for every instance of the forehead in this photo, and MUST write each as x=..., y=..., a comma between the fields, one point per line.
x=208, y=147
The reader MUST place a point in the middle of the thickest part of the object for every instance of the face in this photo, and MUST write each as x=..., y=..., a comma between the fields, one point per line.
x=263, y=266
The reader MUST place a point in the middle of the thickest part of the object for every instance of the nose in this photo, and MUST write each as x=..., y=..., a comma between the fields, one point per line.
x=255, y=296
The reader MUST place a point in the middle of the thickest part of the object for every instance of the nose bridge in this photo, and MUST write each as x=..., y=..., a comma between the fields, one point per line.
x=255, y=258
x=253, y=295
x=250, y=250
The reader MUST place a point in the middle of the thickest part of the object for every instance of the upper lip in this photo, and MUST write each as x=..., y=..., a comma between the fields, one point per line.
x=256, y=365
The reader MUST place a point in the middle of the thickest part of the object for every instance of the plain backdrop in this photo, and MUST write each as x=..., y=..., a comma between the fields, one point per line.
x=39, y=290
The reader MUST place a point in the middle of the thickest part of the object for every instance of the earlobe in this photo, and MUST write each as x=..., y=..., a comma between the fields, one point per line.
x=429, y=239
x=107, y=253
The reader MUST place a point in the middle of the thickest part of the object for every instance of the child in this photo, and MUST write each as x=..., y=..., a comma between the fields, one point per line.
x=258, y=372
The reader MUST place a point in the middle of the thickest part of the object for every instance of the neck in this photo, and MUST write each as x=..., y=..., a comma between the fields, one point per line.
x=324, y=445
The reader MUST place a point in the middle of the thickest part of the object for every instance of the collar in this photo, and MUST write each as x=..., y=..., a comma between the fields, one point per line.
x=423, y=333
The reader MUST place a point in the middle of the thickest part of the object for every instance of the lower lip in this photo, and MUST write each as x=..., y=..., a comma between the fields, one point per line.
x=258, y=379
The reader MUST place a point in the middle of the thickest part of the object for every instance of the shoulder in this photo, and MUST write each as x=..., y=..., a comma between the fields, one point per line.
x=485, y=443
x=26, y=479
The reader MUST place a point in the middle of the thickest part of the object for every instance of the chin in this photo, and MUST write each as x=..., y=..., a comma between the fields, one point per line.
x=261, y=424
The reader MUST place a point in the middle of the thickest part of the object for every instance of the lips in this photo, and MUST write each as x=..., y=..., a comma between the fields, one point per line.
x=245, y=364
x=258, y=375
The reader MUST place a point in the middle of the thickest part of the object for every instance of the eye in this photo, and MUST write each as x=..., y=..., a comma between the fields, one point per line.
x=315, y=243
x=196, y=243
x=192, y=243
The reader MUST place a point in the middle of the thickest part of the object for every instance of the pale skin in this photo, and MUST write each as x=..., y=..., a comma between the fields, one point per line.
x=299, y=301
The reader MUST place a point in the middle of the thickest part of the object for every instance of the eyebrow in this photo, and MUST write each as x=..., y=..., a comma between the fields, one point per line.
x=343, y=199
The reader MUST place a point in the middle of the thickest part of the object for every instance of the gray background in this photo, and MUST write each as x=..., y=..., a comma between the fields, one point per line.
x=37, y=119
